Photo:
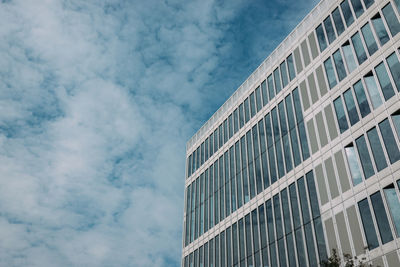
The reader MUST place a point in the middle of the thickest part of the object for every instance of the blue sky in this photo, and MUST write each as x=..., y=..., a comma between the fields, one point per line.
x=97, y=101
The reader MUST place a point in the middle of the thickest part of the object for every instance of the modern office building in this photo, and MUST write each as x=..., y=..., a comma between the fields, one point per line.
x=304, y=157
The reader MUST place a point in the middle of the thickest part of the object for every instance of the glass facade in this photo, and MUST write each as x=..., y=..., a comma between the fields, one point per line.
x=266, y=182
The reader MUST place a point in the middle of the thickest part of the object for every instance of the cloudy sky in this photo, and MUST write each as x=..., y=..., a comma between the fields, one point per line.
x=97, y=101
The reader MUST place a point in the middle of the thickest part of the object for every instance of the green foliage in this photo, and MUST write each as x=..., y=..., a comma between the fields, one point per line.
x=335, y=261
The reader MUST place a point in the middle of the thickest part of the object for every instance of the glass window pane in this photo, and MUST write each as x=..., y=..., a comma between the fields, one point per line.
x=264, y=92
x=365, y=159
x=347, y=14
x=277, y=80
x=310, y=245
x=258, y=99
x=329, y=29
x=248, y=234
x=377, y=150
x=319, y=235
x=380, y=29
x=337, y=18
x=394, y=66
x=275, y=124
x=261, y=219
x=286, y=212
x=373, y=91
x=246, y=110
x=384, y=81
x=330, y=73
x=271, y=88
x=225, y=131
x=321, y=38
x=368, y=3
x=351, y=107
x=389, y=141
x=252, y=105
x=396, y=122
x=289, y=112
x=397, y=2
x=303, y=140
x=270, y=221
x=353, y=164
x=295, y=206
x=241, y=116
x=361, y=99
x=295, y=147
x=368, y=224
x=278, y=217
x=357, y=7
x=290, y=63
x=297, y=105
x=394, y=206
x=312, y=193
x=301, y=256
x=281, y=252
x=349, y=57
x=235, y=121
x=391, y=19
x=303, y=200
x=282, y=118
x=341, y=71
x=340, y=115
x=241, y=239
x=369, y=39
x=291, y=252
x=359, y=48
x=284, y=74
x=381, y=218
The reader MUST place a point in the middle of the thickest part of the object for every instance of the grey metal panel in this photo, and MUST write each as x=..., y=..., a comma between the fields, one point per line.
x=330, y=233
x=355, y=230
x=330, y=174
x=321, y=129
x=313, y=88
x=341, y=167
x=333, y=133
x=378, y=262
x=343, y=235
x=297, y=59
x=306, y=54
x=393, y=259
x=323, y=194
x=323, y=89
x=313, y=45
x=312, y=136
x=304, y=95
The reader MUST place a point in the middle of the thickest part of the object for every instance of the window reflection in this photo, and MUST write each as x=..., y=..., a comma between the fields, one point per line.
x=353, y=164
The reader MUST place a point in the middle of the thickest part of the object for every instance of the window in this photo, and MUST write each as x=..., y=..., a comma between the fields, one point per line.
x=246, y=110
x=330, y=73
x=369, y=39
x=377, y=151
x=368, y=224
x=368, y=3
x=235, y=121
x=321, y=38
x=361, y=99
x=241, y=116
x=258, y=99
x=373, y=90
x=340, y=69
x=391, y=19
x=397, y=2
x=337, y=18
x=312, y=193
x=330, y=32
x=380, y=29
x=351, y=107
x=284, y=74
x=394, y=67
x=389, y=141
x=381, y=218
x=303, y=200
x=349, y=57
x=396, y=122
x=353, y=164
x=359, y=48
x=347, y=14
x=271, y=89
x=357, y=7
x=264, y=92
x=394, y=206
x=292, y=72
x=252, y=105
x=277, y=80
x=364, y=157
x=384, y=81
x=340, y=115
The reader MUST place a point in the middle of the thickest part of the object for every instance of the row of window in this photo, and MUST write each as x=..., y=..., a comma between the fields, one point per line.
x=286, y=230
x=274, y=83
x=347, y=11
x=343, y=62
x=273, y=147
x=350, y=113
x=381, y=222
x=369, y=153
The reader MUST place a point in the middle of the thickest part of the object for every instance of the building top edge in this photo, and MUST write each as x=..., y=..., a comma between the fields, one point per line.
x=266, y=66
